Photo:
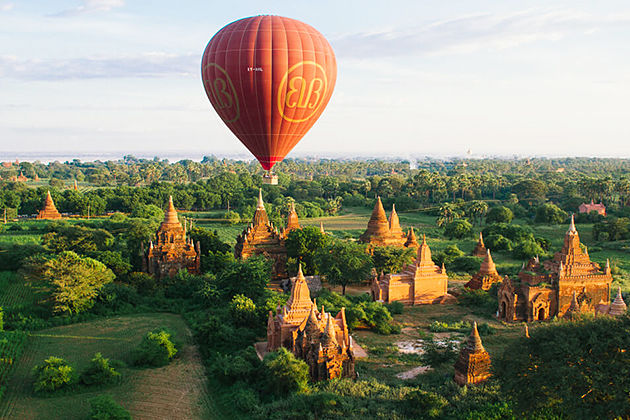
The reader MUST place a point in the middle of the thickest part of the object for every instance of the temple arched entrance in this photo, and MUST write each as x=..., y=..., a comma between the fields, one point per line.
x=541, y=314
x=503, y=310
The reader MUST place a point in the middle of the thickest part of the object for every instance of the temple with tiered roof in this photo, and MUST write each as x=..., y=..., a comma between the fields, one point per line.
x=386, y=232
x=473, y=364
x=544, y=290
x=49, y=211
x=421, y=282
x=172, y=250
x=322, y=341
x=261, y=237
x=486, y=276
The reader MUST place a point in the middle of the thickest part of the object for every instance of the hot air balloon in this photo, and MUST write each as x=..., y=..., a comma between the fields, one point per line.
x=269, y=78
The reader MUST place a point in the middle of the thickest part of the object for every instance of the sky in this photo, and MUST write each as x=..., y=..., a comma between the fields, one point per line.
x=415, y=78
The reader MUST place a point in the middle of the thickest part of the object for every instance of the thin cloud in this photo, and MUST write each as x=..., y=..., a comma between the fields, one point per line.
x=474, y=33
x=142, y=65
x=5, y=7
x=91, y=6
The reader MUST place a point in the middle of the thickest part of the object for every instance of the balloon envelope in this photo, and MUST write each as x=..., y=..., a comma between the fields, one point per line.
x=269, y=78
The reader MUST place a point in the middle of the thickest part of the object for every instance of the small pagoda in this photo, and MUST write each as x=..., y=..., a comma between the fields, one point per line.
x=382, y=231
x=293, y=222
x=480, y=248
x=618, y=307
x=421, y=282
x=172, y=250
x=322, y=341
x=473, y=364
x=486, y=276
x=49, y=212
x=261, y=237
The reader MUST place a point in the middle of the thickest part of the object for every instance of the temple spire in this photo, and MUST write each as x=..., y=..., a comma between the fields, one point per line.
x=261, y=204
x=321, y=228
x=572, y=228
x=394, y=223
x=171, y=213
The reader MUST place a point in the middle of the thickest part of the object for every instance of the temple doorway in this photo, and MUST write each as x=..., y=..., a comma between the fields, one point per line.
x=503, y=310
x=541, y=314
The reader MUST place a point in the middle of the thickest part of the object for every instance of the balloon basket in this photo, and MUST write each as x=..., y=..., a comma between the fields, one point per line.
x=270, y=179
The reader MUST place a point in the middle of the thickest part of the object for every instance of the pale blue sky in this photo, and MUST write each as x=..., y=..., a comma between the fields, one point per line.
x=415, y=77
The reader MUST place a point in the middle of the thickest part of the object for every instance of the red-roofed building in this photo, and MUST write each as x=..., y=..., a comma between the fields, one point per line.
x=587, y=208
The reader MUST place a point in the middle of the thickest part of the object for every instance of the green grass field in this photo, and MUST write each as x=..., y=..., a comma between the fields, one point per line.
x=176, y=391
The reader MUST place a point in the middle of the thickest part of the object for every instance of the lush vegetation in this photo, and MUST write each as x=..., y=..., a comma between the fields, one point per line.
x=59, y=273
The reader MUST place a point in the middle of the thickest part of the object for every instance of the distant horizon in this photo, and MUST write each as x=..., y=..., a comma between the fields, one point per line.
x=175, y=156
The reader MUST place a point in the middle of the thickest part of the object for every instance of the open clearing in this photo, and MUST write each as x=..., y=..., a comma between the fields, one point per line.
x=173, y=392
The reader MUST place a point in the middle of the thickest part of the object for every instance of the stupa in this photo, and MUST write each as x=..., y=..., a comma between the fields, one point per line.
x=421, y=282
x=383, y=232
x=322, y=341
x=618, y=307
x=480, y=248
x=261, y=237
x=545, y=290
x=171, y=251
x=473, y=364
x=292, y=221
x=49, y=211
x=486, y=276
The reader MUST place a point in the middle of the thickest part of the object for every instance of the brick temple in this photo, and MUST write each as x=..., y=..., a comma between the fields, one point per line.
x=383, y=232
x=261, y=237
x=421, y=282
x=473, y=364
x=486, y=276
x=322, y=341
x=544, y=290
x=172, y=250
x=49, y=212
x=600, y=208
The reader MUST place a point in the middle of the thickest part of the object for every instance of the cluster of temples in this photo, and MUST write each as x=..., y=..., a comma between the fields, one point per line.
x=49, y=212
x=172, y=250
x=318, y=338
x=383, y=232
x=421, y=282
x=544, y=290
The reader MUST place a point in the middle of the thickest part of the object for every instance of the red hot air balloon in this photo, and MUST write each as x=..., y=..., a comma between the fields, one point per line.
x=269, y=78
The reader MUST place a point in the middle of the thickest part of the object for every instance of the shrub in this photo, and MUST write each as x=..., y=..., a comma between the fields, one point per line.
x=155, y=349
x=104, y=407
x=395, y=308
x=466, y=263
x=550, y=213
x=285, y=374
x=498, y=243
x=439, y=352
x=459, y=228
x=422, y=404
x=527, y=249
x=99, y=372
x=232, y=217
x=243, y=311
x=499, y=214
x=480, y=301
x=55, y=373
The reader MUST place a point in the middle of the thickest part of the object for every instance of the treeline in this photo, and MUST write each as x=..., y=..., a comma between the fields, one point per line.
x=323, y=187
